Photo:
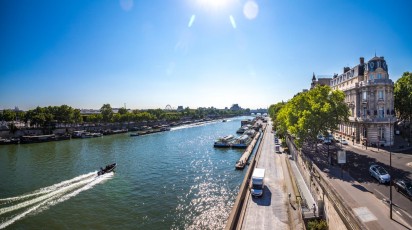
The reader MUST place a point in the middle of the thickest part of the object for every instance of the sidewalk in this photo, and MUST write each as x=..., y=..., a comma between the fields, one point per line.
x=303, y=189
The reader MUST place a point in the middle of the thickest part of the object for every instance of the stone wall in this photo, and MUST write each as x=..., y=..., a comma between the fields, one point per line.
x=337, y=215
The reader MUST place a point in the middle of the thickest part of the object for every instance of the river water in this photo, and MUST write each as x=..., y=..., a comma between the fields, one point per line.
x=169, y=180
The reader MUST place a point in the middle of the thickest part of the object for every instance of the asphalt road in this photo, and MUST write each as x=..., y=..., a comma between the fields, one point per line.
x=358, y=162
x=270, y=210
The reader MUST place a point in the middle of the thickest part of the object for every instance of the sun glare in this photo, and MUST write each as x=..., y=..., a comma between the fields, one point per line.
x=215, y=4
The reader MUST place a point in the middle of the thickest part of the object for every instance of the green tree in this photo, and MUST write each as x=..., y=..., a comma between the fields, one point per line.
x=9, y=115
x=274, y=110
x=314, y=112
x=64, y=114
x=403, y=96
x=77, y=117
x=122, y=111
x=107, y=112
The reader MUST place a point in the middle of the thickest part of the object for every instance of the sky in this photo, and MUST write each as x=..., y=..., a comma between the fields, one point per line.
x=191, y=53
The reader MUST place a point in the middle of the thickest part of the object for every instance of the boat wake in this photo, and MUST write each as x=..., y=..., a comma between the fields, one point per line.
x=193, y=125
x=19, y=206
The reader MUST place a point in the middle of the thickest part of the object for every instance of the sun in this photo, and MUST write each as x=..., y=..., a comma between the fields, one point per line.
x=215, y=4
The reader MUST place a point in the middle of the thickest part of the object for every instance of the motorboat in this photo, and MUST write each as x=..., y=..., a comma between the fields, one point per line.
x=107, y=169
x=134, y=134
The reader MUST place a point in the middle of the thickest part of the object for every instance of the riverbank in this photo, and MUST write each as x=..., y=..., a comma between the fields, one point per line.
x=64, y=132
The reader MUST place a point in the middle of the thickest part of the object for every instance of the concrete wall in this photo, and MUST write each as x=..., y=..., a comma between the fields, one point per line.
x=336, y=213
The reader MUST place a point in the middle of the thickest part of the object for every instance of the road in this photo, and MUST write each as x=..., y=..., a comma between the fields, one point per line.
x=270, y=210
x=358, y=162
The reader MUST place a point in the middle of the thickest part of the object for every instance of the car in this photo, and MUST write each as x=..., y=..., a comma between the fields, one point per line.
x=327, y=141
x=404, y=186
x=344, y=142
x=380, y=174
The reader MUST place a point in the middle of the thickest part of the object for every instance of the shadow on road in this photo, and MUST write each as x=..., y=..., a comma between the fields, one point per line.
x=265, y=199
x=361, y=188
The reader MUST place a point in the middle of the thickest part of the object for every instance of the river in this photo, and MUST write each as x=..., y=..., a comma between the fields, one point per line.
x=169, y=180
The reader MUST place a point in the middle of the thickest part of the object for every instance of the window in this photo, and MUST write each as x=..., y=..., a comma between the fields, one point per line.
x=364, y=111
x=379, y=76
x=381, y=133
x=364, y=95
x=365, y=132
x=370, y=76
x=381, y=112
x=380, y=94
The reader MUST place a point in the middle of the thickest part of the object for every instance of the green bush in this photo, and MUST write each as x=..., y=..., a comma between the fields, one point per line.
x=317, y=225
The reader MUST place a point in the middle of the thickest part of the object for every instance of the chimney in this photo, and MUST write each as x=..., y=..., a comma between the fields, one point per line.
x=345, y=69
x=362, y=60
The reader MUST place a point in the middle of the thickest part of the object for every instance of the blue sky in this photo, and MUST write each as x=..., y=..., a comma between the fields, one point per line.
x=196, y=53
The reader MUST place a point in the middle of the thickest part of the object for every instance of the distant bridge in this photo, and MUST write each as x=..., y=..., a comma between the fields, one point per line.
x=262, y=111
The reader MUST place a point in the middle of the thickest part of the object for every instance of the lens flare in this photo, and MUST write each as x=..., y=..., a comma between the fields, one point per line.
x=192, y=19
x=232, y=21
x=251, y=10
x=126, y=5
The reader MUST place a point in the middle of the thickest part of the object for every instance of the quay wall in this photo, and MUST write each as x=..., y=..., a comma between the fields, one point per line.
x=236, y=215
x=337, y=214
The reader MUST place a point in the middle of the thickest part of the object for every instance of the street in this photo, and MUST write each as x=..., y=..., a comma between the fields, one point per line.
x=270, y=210
x=358, y=161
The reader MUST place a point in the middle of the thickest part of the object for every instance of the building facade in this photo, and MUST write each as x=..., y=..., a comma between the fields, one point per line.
x=369, y=95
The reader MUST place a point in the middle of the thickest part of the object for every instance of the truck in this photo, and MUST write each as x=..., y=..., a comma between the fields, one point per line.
x=258, y=184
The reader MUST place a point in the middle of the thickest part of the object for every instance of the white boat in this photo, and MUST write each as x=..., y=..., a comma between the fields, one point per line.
x=224, y=142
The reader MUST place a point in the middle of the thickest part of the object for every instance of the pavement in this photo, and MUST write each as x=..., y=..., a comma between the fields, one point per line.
x=374, y=213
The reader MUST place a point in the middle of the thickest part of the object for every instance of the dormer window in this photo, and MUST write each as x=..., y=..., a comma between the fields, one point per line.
x=370, y=76
x=379, y=76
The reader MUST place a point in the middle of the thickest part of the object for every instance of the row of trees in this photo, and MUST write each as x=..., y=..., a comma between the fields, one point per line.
x=51, y=115
x=310, y=113
x=403, y=99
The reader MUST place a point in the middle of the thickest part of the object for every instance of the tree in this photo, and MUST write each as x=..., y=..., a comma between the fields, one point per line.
x=107, y=112
x=311, y=113
x=77, y=117
x=9, y=115
x=274, y=110
x=122, y=111
x=403, y=97
x=64, y=114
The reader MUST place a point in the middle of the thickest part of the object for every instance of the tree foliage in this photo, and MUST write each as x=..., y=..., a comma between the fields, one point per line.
x=403, y=96
x=107, y=112
x=274, y=110
x=311, y=113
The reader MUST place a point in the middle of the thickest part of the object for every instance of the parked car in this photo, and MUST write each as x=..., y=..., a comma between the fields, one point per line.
x=327, y=141
x=344, y=142
x=404, y=186
x=380, y=174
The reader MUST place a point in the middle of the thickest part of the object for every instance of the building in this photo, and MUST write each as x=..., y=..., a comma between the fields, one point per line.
x=319, y=81
x=369, y=95
x=235, y=107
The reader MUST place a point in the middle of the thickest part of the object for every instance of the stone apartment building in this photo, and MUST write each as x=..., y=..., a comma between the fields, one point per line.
x=369, y=95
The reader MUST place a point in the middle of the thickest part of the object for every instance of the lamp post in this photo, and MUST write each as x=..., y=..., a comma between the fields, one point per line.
x=390, y=165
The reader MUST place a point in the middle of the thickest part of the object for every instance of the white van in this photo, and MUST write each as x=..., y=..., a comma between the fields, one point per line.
x=258, y=178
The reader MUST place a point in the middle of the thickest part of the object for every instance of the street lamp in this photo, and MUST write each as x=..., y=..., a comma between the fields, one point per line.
x=390, y=165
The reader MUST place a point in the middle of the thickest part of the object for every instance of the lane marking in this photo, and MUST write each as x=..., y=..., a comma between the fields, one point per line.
x=364, y=214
